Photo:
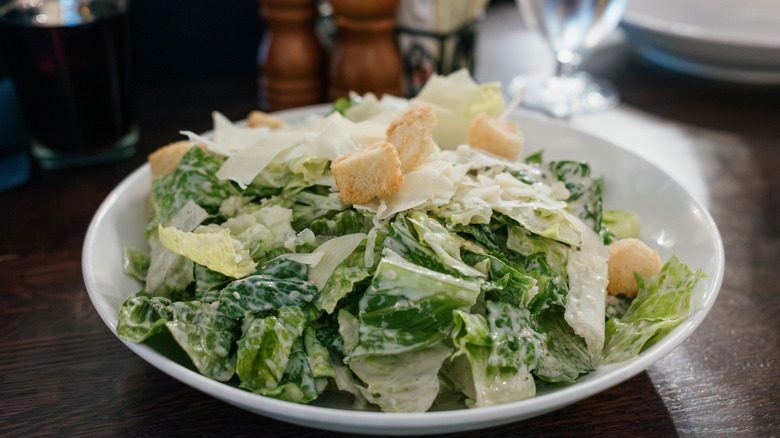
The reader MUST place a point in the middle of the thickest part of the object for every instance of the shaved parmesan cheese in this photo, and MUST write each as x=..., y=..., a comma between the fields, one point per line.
x=323, y=261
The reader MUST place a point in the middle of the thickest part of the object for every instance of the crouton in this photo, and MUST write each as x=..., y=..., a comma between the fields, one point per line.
x=166, y=159
x=371, y=171
x=257, y=119
x=412, y=135
x=627, y=256
x=499, y=137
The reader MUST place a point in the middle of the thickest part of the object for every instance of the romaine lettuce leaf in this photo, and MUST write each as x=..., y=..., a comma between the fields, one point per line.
x=504, y=282
x=408, y=307
x=662, y=303
x=259, y=230
x=142, y=316
x=457, y=99
x=305, y=377
x=619, y=224
x=206, y=335
x=169, y=272
x=404, y=382
x=586, y=300
x=265, y=346
x=445, y=245
x=523, y=242
x=503, y=348
x=345, y=222
x=276, y=285
x=585, y=191
x=135, y=263
x=194, y=180
x=403, y=240
x=342, y=281
x=566, y=355
x=217, y=251
x=324, y=260
x=312, y=204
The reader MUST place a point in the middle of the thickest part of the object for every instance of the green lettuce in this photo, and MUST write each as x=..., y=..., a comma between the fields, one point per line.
x=205, y=334
x=402, y=382
x=278, y=284
x=566, y=355
x=195, y=181
x=265, y=347
x=662, y=303
x=408, y=307
x=503, y=348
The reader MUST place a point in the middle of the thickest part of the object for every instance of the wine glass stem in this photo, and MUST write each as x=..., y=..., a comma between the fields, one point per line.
x=568, y=62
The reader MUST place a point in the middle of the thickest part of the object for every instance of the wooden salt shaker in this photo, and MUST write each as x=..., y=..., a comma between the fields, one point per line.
x=292, y=61
x=365, y=57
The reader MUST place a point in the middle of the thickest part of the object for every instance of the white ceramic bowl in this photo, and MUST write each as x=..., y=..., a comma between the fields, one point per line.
x=673, y=222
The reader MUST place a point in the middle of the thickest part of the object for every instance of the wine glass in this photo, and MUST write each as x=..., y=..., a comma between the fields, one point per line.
x=570, y=27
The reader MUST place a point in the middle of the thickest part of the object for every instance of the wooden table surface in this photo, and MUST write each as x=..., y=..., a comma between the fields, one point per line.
x=63, y=373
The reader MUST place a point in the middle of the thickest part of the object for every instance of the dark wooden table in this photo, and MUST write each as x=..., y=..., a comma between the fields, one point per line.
x=62, y=372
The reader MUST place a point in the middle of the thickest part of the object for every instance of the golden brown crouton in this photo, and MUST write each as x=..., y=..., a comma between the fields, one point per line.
x=257, y=119
x=412, y=135
x=166, y=159
x=371, y=171
x=499, y=137
x=627, y=256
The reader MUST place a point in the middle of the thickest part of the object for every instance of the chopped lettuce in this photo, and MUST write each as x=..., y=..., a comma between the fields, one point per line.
x=205, y=334
x=457, y=99
x=217, y=251
x=265, y=347
x=662, y=303
x=620, y=224
x=503, y=348
x=278, y=284
x=408, y=307
x=479, y=279
x=195, y=181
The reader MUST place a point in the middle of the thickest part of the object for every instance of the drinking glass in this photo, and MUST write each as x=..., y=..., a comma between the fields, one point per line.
x=70, y=62
x=570, y=27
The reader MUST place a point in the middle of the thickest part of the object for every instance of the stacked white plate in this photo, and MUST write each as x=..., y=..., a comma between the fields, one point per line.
x=729, y=40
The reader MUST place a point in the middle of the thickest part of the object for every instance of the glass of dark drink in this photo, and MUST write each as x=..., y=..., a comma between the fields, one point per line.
x=70, y=61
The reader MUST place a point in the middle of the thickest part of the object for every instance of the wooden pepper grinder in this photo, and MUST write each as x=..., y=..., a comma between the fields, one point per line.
x=292, y=61
x=365, y=57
